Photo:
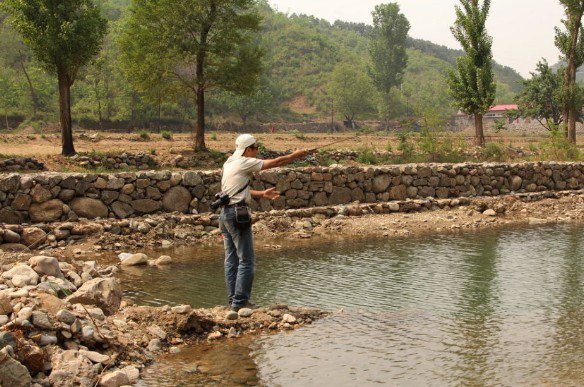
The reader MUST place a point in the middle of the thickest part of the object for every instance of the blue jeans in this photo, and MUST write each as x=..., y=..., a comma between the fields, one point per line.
x=239, y=258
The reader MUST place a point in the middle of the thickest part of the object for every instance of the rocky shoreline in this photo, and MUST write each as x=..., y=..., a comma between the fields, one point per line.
x=66, y=324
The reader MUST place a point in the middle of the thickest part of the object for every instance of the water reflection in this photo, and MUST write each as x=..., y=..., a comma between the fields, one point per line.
x=496, y=307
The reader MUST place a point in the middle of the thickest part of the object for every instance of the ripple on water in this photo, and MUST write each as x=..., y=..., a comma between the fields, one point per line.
x=496, y=307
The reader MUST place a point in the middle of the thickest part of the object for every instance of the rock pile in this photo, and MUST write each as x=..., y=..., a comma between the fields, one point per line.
x=65, y=324
x=21, y=164
x=140, y=161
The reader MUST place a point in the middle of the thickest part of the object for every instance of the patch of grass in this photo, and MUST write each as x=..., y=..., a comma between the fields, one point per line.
x=299, y=135
x=166, y=134
x=214, y=136
x=152, y=151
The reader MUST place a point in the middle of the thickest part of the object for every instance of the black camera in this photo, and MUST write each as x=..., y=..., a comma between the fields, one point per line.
x=221, y=199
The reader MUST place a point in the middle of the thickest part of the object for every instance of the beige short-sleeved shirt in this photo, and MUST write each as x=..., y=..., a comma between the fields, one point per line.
x=237, y=171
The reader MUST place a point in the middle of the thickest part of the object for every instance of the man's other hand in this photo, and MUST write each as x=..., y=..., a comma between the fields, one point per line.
x=271, y=194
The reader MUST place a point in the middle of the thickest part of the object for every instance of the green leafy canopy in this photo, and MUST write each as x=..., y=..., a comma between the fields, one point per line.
x=63, y=35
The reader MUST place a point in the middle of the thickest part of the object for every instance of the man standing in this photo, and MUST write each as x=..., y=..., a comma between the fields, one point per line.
x=238, y=171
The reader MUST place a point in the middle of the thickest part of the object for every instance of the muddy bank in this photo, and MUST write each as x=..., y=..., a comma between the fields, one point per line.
x=65, y=324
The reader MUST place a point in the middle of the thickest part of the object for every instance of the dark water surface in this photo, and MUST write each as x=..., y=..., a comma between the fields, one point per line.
x=501, y=307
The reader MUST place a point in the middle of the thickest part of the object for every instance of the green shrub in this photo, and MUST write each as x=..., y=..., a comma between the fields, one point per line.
x=405, y=146
x=558, y=148
x=500, y=125
x=366, y=155
x=153, y=151
x=494, y=151
x=214, y=136
x=388, y=147
x=144, y=135
x=166, y=134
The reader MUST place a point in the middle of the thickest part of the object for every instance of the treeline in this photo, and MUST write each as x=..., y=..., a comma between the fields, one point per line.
x=301, y=57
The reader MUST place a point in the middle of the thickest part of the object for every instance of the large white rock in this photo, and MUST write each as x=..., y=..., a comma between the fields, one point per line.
x=12, y=373
x=25, y=273
x=70, y=369
x=114, y=379
x=105, y=293
x=136, y=260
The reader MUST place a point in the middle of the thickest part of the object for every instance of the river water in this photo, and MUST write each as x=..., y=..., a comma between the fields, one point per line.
x=498, y=307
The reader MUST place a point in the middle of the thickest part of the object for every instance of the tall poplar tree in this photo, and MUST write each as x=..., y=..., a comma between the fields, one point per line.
x=192, y=46
x=571, y=45
x=472, y=85
x=388, y=50
x=63, y=35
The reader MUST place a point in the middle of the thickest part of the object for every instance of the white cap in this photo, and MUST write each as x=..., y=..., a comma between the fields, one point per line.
x=242, y=143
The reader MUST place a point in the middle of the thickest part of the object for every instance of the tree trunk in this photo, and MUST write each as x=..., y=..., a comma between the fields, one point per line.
x=480, y=137
x=388, y=111
x=65, y=115
x=200, y=127
x=33, y=94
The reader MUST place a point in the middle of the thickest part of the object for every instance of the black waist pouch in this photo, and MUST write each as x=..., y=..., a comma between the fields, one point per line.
x=242, y=217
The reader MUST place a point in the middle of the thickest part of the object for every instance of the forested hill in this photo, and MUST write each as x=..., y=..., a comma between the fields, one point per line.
x=301, y=53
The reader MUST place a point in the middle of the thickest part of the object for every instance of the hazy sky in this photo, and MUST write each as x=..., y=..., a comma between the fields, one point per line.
x=522, y=30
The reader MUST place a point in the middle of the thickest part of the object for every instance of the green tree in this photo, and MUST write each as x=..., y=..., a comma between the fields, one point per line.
x=388, y=50
x=260, y=102
x=170, y=47
x=571, y=44
x=9, y=94
x=541, y=99
x=352, y=91
x=472, y=85
x=64, y=36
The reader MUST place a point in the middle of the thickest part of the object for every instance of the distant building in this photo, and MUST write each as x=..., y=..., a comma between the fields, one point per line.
x=495, y=113
x=498, y=112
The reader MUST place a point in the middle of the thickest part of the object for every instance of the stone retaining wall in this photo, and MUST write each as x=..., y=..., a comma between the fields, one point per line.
x=52, y=197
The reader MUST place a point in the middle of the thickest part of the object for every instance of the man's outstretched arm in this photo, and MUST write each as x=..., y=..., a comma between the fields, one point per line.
x=284, y=160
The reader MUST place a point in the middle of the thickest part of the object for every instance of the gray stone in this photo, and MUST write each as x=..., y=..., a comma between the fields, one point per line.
x=71, y=369
x=7, y=338
x=115, y=184
x=154, y=345
x=245, y=312
x=114, y=379
x=381, y=183
x=10, y=216
x=65, y=316
x=5, y=305
x=67, y=195
x=163, y=260
x=48, y=211
x=41, y=320
x=46, y=266
x=122, y=210
x=24, y=273
x=33, y=237
x=21, y=202
x=398, y=192
x=146, y=206
x=177, y=199
x=191, y=179
x=516, y=183
x=40, y=194
x=105, y=293
x=11, y=236
x=89, y=208
x=10, y=183
x=95, y=357
x=340, y=195
x=136, y=260
x=13, y=373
